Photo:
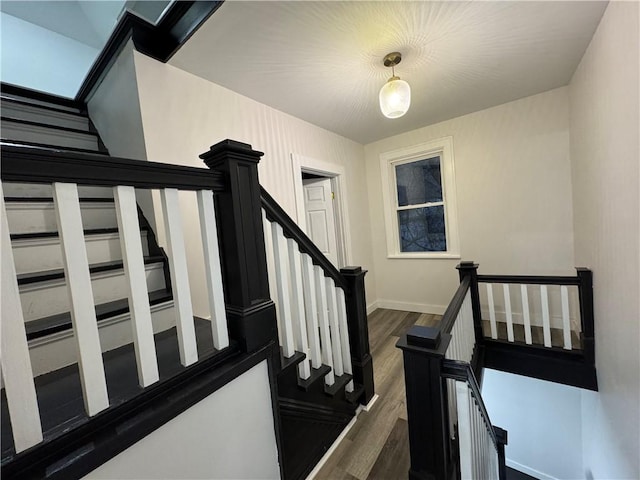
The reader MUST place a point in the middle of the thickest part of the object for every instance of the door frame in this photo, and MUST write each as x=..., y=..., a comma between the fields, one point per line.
x=336, y=173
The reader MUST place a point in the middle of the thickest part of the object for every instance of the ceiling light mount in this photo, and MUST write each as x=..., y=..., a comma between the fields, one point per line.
x=392, y=59
x=395, y=95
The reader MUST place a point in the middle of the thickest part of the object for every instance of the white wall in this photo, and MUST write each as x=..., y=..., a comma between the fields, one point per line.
x=114, y=109
x=605, y=161
x=543, y=422
x=37, y=58
x=228, y=435
x=514, y=199
x=183, y=115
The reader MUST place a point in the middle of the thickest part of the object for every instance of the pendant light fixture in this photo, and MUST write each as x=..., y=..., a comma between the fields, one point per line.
x=395, y=95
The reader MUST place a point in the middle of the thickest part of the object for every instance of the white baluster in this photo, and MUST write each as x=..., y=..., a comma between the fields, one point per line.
x=311, y=311
x=464, y=431
x=297, y=306
x=525, y=313
x=281, y=260
x=344, y=335
x=508, y=313
x=17, y=374
x=213, y=269
x=323, y=321
x=336, y=343
x=83, y=314
x=546, y=326
x=271, y=270
x=185, y=326
x=566, y=323
x=136, y=278
x=492, y=312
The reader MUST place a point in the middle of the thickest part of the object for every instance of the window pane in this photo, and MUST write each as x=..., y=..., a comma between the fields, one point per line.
x=422, y=230
x=419, y=182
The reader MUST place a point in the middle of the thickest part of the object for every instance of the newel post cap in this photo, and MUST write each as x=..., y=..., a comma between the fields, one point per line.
x=227, y=149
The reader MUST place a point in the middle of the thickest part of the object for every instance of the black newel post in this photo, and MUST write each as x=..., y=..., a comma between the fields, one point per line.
x=359, y=330
x=423, y=349
x=585, y=293
x=250, y=312
x=470, y=269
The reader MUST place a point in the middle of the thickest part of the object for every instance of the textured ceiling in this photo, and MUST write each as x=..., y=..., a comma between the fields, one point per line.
x=322, y=61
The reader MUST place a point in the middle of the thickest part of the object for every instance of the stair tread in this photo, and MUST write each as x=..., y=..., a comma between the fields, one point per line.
x=50, y=199
x=353, y=397
x=56, y=323
x=317, y=374
x=56, y=148
x=87, y=233
x=48, y=126
x=25, y=103
x=339, y=384
x=295, y=359
x=60, y=392
x=47, y=275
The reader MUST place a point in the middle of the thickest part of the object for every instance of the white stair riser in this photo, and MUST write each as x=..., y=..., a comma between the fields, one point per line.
x=38, y=217
x=60, y=138
x=41, y=190
x=41, y=254
x=50, y=298
x=43, y=115
x=58, y=350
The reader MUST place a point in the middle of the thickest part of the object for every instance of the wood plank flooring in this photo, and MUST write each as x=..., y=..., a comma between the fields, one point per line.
x=377, y=447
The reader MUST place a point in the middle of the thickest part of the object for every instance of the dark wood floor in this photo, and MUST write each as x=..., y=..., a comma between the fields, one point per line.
x=377, y=447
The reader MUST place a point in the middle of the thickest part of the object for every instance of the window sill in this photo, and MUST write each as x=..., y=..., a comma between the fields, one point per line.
x=424, y=256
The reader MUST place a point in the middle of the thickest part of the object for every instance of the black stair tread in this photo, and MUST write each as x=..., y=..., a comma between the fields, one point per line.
x=45, y=326
x=295, y=359
x=34, y=277
x=338, y=385
x=50, y=199
x=18, y=101
x=60, y=394
x=87, y=233
x=317, y=374
x=49, y=126
x=54, y=148
x=354, y=397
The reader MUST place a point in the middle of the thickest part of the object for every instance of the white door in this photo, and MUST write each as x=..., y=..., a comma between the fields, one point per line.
x=321, y=225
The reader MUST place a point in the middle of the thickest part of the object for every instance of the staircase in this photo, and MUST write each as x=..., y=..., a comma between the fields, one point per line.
x=322, y=367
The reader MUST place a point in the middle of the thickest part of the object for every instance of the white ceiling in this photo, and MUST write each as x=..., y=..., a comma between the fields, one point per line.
x=322, y=61
x=87, y=22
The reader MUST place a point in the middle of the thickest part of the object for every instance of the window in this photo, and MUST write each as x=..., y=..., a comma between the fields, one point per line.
x=420, y=204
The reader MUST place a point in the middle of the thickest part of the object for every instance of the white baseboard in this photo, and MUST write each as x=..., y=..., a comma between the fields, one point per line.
x=372, y=307
x=411, y=307
x=337, y=442
x=529, y=471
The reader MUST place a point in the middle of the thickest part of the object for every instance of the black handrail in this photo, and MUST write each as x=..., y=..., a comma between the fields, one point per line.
x=529, y=279
x=45, y=165
x=276, y=213
x=462, y=372
x=450, y=315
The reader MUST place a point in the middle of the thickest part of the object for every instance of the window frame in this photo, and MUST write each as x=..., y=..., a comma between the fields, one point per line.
x=443, y=148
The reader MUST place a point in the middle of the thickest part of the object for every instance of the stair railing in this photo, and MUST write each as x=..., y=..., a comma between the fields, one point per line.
x=321, y=310
x=480, y=444
x=450, y=434
x=541, y=326
x=228, y=206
